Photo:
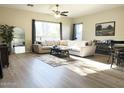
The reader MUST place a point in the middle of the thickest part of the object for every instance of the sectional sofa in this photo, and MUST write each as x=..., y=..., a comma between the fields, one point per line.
x=79, y=48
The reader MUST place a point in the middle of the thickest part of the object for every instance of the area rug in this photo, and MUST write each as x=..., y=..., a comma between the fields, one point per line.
x=56, y=61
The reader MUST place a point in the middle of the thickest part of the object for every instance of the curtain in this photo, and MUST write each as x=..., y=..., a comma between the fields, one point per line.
x=73, y=33
x=33, y=31
x=61, y=31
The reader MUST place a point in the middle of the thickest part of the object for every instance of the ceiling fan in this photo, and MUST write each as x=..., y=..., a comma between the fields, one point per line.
x=59, y=13
x=31, y=5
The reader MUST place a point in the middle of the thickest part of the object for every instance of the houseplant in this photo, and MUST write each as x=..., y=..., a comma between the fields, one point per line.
x=6, y=33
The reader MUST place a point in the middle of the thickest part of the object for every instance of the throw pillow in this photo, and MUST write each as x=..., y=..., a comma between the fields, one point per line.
x=64, y=42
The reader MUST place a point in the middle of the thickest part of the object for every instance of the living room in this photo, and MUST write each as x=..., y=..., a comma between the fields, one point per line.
x=87, y=68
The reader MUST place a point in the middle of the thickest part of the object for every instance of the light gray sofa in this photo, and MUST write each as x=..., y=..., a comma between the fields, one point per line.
x=79, y=48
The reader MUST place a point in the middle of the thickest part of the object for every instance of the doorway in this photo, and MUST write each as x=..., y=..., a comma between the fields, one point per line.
x=18, y=43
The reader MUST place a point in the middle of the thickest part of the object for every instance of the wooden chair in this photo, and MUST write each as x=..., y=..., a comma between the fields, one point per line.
x=118, y=57
x=110, y=46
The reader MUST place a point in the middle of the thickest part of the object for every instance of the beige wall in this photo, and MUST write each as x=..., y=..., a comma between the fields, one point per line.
x=23, y=19
x=89, y=21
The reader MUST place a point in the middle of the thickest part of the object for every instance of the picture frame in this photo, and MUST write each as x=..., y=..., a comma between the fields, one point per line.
x=105, y=29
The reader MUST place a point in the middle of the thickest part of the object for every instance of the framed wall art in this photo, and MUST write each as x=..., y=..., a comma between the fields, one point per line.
x=105, y=29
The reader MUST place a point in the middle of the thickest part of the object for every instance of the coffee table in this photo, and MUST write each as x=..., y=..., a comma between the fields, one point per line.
x=60, y=51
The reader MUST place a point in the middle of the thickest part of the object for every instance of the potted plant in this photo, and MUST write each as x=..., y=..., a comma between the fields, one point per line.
x=6, y=32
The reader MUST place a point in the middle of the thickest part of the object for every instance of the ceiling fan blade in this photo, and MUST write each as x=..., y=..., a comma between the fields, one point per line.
x=31, y=5
x=65, y=12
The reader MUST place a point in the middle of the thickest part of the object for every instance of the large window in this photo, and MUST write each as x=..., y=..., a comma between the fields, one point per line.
x=47, y=31
x=77, y=31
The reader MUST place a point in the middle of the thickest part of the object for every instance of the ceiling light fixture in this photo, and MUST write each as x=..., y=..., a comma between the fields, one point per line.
x=31, y=5
x=57, y=15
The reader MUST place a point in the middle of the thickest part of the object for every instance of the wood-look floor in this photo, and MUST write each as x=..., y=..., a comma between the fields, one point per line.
x=27, y=71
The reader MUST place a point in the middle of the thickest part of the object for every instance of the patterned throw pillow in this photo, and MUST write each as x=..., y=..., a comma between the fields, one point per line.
x=64, y=43
x=50, y=43
x=37, y=42
x=57, y=42
x=89, y=43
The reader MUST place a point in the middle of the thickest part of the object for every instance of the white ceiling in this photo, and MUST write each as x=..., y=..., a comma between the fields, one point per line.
x=75, y=10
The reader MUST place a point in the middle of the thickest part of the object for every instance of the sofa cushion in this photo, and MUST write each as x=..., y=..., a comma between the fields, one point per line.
x=84, y=43
x=89, y=43
x=64, y=47
x=74, y=48
x=52, y=43
x=44, y=43
x=57, y=42
x=49, y=43
x=46, y=47
x=77, y=43
x=63, y=43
